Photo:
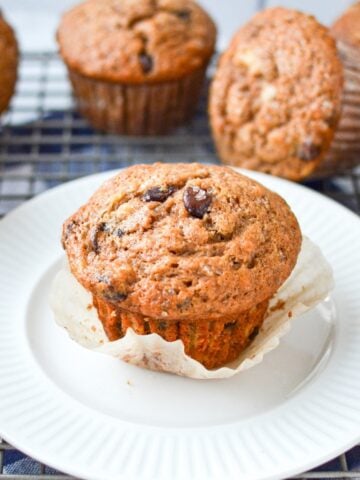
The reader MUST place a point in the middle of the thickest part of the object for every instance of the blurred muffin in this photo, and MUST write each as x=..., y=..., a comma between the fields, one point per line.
x=9, y=57
x=276, y=96
x=345, y=149
x=187, y=251
x=137, y=66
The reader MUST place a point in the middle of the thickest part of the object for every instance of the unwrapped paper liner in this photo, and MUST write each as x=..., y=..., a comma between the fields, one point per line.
x=309, y=283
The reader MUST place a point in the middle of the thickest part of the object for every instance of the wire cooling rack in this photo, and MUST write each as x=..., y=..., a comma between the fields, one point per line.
x=44, y=142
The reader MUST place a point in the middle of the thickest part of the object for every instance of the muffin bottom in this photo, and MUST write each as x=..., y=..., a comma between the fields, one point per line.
x=213, y=343
x=150, y=109
x=344, y=153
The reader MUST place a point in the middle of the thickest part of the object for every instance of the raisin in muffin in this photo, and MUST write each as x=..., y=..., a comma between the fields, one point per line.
x=9, y=57
x=187, y=251
x=345, y=149
x=276, y=96
x=137, y=66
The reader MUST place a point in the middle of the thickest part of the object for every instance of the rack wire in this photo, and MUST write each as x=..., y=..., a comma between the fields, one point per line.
x=44, y=142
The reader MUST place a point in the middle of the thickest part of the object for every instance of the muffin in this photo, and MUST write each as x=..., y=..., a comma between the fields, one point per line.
x=9, y=57
x=276, y=96
x=187, y=251
x=345, y=149
x=137, y=66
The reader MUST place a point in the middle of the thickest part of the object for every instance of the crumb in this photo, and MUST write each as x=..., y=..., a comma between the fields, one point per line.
x=129, y=383
x=290, y=314
x=93, y=328
x=89, y=307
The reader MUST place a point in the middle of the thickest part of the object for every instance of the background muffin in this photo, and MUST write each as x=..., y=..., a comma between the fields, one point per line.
x=345, y=149
x=276, y=96
x=184, y=250
x=8, y=63
x=137, y=66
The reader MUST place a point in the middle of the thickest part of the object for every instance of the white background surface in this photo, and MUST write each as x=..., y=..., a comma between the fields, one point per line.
x=36, y=20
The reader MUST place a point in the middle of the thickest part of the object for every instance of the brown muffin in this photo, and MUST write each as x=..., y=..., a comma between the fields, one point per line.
x=137, y=66
x=276, y=96
x=188, y=251
x=345, y=149
x=8, y=63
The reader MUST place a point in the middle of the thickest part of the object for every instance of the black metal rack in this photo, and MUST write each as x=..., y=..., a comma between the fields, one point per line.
x=44, y=142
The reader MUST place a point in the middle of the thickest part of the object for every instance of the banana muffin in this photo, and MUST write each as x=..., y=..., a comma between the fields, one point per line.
x=9, y=58
x=188, y=251
x=137, y=66
x=345, y=149
x=276, y=97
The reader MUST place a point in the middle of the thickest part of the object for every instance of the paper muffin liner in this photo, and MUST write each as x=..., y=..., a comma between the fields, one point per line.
x=344, y=153
x=148, y=109
x=309, y=283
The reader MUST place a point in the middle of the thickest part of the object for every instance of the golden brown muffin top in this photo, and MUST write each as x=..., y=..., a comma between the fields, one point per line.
x=136, y=41
x=8, y=61
x=276, y=97
x=347, y=26
x=182, y=241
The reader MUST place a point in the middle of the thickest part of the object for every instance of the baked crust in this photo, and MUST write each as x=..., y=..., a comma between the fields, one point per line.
x=182, y=242
x=276, y=96
x=136, y=41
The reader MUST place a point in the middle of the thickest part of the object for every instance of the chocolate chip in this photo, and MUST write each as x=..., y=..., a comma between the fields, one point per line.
x=94, y=233
x=146, y=62
x=162, y=325
x=119, y=232
x=197, y=201
x=235, y=263
x=158, y=194
x=254, y=333
x=114, y=296
x=67, y=231
x=184, y=305
x=70, y=226
x=183, y=14
x=308, y=150
x=229, y=326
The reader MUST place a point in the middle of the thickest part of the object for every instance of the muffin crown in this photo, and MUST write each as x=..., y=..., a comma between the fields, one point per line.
x=182, y=241
x=276, y=96
x=347, y=27
x=136, y=41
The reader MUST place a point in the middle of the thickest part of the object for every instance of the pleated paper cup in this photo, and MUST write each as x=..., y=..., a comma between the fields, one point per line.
x=344, y=153
x=148, y=109
x=309, y=283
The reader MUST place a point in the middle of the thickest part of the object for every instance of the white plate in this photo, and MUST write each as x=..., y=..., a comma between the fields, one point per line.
x=95, y=417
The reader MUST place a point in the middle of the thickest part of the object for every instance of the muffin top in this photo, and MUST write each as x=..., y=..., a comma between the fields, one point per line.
x=8, y=61
x=181, y=241
x=347, y=27
x=276, y=97
x=136, y=41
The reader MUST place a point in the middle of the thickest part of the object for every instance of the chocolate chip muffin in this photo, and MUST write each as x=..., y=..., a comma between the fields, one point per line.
x=188, y=251
x=276, y=96
x=345, y=149
x=137, y=66
x=8, y=63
